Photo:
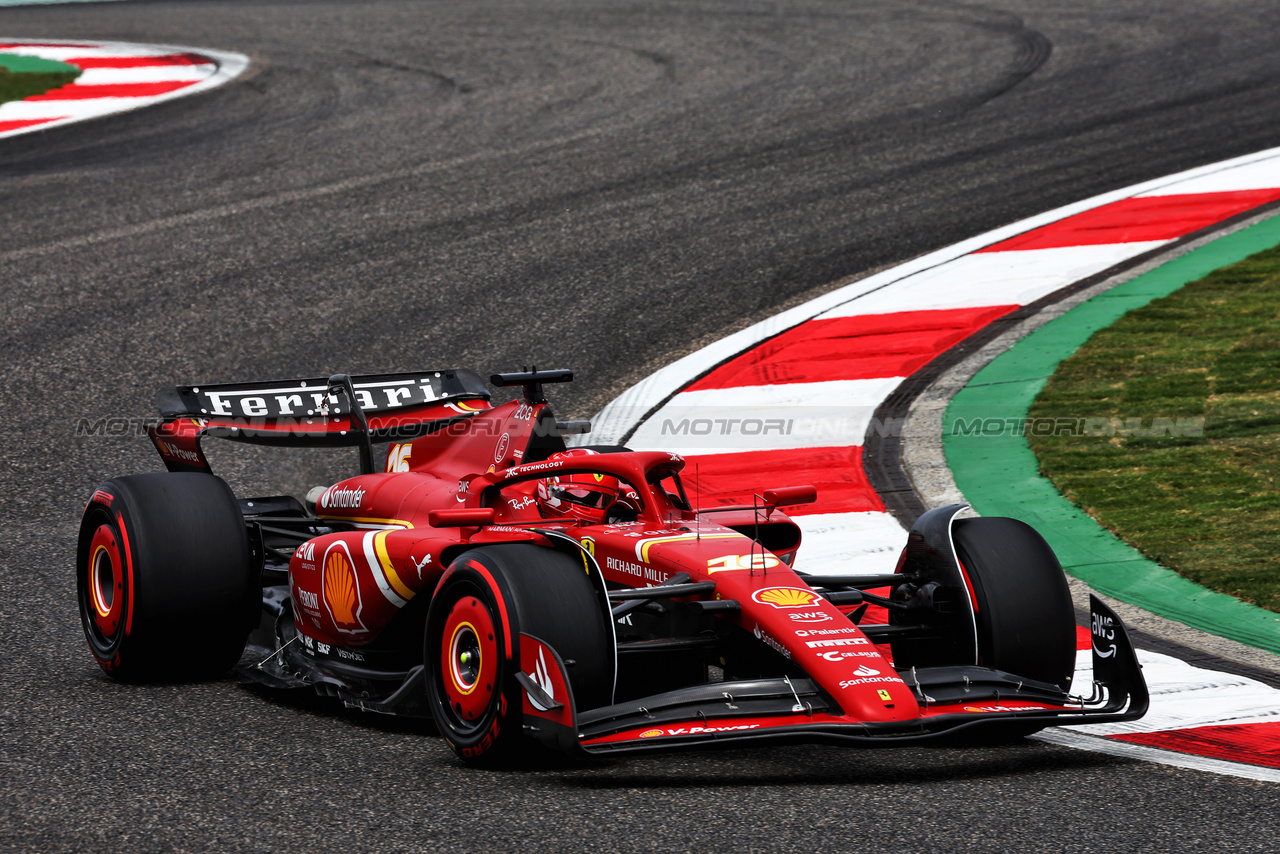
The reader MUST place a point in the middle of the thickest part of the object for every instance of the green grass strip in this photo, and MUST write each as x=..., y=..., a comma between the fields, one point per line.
x=995, y=469
x=1198, y=493
x=24, y=76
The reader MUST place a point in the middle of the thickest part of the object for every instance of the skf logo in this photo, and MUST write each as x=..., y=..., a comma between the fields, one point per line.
x=651, y=733
x=749, y=562
x=341, y=590
x=785, y=597
x=398, y=457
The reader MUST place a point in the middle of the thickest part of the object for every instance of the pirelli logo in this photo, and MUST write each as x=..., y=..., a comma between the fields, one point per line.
x=821, y=644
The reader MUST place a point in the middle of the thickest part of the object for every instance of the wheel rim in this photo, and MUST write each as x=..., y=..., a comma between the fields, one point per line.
x=469, y=659
x=105, y=581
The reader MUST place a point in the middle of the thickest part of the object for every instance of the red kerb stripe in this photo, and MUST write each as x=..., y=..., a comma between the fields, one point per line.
x=720, y=479
x=18, y=124
x=1255, y=744
x=1146, y=218
x=866, y=346
x=77, y=92
x=139, y=61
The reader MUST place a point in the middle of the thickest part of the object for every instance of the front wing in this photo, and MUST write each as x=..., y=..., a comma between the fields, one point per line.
x=952, y=700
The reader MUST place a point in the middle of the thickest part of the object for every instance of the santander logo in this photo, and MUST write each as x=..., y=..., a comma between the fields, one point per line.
x=341, y=498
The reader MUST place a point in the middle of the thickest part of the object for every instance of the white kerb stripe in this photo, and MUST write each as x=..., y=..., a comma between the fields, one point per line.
x=86, y=108
x=1260, y=175
x=994, y=278
x=144, y=74
x=866, y=543
x=828, y=414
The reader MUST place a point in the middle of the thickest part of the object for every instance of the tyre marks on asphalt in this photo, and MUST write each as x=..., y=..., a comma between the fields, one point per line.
x=789, y=401
x=116, y=77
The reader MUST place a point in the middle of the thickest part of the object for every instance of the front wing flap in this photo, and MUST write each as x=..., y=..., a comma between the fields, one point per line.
x=952, y=700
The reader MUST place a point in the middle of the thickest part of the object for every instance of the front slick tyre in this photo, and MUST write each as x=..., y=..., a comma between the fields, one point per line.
x=1022, y=606
x=164, y=578
x=485, y=600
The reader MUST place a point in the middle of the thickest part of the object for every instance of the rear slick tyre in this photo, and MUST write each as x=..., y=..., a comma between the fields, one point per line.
x=486, y=599
x=164, y=578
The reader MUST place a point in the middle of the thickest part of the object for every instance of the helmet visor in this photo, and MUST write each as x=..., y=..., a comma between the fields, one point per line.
x=579, y=495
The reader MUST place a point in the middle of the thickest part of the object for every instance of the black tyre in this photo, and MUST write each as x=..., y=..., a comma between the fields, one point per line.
x=1025, y=618
x=487, y=597
x=165, y=582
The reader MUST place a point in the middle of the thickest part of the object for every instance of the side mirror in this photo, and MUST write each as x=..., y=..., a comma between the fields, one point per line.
x=461, y=517
x=789, y=495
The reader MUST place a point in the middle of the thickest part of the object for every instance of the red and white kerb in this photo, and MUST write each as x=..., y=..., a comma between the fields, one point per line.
x=116, y=77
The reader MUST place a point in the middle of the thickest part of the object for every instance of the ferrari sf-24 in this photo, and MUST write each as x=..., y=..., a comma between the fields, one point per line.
x=526, y=594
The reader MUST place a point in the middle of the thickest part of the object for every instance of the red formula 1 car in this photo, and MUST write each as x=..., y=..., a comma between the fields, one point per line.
x=518, y=591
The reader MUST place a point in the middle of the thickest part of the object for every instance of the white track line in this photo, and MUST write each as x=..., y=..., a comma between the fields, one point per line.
x=1081, y=741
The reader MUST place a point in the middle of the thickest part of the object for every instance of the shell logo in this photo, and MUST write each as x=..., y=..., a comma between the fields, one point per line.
x=785, y=597
x=650, y=733
x=341, y=591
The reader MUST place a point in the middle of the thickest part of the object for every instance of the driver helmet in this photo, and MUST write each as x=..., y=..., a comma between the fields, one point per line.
x=581, y=496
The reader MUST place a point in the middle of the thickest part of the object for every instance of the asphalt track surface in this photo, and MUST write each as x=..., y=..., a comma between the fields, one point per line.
x=602, y=186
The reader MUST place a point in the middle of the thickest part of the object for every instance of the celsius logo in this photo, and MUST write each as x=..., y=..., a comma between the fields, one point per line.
x=341, y=498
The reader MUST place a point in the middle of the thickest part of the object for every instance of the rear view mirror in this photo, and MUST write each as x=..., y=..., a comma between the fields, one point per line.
x=788, y=495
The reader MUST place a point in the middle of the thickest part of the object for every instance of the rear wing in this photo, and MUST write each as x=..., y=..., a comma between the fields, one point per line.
x=300, y=413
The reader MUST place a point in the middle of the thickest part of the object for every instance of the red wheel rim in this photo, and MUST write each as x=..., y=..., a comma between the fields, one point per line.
x=469, y=658
x=106, y=580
